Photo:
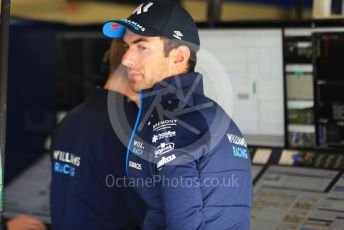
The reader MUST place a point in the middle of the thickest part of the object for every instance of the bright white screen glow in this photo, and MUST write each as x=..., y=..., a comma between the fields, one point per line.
x=253, y=61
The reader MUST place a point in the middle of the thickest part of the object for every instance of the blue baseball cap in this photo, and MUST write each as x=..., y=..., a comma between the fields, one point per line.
x=157, y=18
x=113, y=30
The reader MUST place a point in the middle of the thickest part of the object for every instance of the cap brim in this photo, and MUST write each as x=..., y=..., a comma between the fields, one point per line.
x=113, y=30
x=129, y=25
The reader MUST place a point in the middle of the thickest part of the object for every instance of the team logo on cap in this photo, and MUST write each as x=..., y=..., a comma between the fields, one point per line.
x=115, y=26
x=177, y=34
x=142, y=8
x=133, y=24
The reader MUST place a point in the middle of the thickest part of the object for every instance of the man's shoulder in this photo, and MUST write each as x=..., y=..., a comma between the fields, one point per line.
x=192, y=116
x=83, y=123
x=87, y=113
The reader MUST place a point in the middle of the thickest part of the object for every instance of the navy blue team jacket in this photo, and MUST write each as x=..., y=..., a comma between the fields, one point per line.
x=188, y=159
x=87, y=157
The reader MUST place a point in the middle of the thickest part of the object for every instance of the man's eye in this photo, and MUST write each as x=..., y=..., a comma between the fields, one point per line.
x=125, y=46
x=142, y=47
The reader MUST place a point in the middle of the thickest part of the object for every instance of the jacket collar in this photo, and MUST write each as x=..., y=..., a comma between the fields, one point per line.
x=180, y=87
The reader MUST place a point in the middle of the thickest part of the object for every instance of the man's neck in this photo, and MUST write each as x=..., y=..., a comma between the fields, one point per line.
x=118, y=85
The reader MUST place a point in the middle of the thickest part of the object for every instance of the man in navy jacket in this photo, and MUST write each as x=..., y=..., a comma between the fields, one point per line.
x=186, y=157
x=88, y=175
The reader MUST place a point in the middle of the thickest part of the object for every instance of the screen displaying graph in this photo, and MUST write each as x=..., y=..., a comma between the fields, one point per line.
x=252, y=59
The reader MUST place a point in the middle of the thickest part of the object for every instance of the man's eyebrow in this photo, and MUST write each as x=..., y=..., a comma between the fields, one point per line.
x=136, y=41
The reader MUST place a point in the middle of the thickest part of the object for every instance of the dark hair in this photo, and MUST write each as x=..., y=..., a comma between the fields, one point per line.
x=170, y=44
x=104, y=69
x=111, y=61
x=116, y=53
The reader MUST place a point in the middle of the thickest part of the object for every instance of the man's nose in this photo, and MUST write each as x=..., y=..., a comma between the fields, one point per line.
x=128, y=58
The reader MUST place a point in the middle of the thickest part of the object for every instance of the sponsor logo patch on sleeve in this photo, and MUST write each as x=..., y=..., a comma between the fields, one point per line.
x=234, y=139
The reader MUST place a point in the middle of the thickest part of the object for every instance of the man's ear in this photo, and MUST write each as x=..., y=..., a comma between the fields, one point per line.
x=182, y=55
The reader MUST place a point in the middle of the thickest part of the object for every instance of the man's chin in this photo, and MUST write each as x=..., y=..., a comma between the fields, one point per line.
x=134, y=86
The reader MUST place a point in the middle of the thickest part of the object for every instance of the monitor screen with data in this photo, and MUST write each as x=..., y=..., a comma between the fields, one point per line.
x=243, y=72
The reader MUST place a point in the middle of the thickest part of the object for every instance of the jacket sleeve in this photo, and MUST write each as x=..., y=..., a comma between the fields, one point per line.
x=179, y=150
x=179, y=174
x=181, y=193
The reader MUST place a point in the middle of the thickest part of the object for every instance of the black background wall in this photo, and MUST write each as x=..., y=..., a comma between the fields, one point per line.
x=30, y=114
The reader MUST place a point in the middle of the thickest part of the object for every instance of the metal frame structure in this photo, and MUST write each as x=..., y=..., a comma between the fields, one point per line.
x=4, y=41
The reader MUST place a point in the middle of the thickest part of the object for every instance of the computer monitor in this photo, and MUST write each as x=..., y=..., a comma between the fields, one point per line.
x=79, y=55
x=251, y=91
x=305, y=85
x=329, y=103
